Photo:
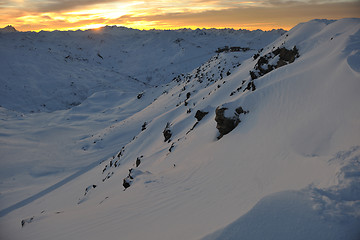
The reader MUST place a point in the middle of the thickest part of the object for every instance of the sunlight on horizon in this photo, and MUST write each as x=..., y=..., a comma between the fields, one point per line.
x=40, y=15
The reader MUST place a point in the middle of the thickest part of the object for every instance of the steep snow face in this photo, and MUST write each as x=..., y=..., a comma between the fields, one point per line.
x=291, y=162
x=49, y=71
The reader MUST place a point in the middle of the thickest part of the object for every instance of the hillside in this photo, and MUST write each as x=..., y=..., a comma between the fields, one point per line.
x=258, y=142
x=49, y=71
x=62, y=73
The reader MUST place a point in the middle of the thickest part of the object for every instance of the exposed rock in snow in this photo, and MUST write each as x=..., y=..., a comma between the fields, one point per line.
x=26, y=221
x=167, y=132
x=200, y=115
x=277, y=58
x=226, y=122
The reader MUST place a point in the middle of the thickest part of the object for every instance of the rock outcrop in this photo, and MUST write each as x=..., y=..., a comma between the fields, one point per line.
x=167, y=133
x=200, y=115
x=226, y=124
x=263, y=66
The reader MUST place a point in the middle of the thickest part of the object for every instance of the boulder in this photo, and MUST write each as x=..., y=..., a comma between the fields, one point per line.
x=126, y=184
x=200, y=115
x=167, y=132
x=138, y=161
x=226, y=124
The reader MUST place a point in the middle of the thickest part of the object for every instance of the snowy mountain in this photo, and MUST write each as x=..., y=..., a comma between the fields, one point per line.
x=7, y=29
x=257, y=140
x=58, y=70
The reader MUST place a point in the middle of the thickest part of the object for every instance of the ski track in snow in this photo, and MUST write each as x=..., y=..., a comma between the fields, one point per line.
x=28, y=200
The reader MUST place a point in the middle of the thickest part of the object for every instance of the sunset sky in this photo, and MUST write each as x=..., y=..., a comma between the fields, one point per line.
x=35, y=15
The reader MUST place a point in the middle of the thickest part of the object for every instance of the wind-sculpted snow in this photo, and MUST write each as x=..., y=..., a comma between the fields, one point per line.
x=288, y=168
x=341, y=202
x=352, y=48
x=311, y=213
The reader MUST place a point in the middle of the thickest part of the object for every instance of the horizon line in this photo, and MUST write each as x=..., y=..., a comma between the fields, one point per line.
x=192, y=28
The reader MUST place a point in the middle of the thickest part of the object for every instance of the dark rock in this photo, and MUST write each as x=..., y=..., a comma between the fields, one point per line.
x=171, y=148
x=280, y=63
x=121, y=152
x=262, y=60
x=263, y=67
x=251, y=86
x=192, y=128
x=138, y=161
x=104, y=169
x=287, y=55
x=89, y=188
x=140, y=95
x=167, y=132
x=26, y=221
x=227, y=124
x=143, y=127
x=253, y=75
x=200, y=115
x=224, y=124
x=239, y=110
x=126, y=184
x=188, y=95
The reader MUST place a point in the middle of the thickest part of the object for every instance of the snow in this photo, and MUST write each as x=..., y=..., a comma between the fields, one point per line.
x=309, y=213
x=59, y=70
x=289, y=170
x=286, y=215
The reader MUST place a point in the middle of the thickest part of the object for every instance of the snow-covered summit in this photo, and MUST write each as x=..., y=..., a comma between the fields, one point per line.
x=251, y=143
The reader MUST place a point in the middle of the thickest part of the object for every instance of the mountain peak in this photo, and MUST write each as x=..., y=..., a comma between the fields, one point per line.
x=8, y=28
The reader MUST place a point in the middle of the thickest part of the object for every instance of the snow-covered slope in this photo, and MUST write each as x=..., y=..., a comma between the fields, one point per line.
x=97, y=76
x=49, y=71
x=155, y=166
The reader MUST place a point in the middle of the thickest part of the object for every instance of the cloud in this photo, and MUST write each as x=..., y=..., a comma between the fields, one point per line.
x=265, y=14
x=284, y=16
x=60, y=5
x=47, y=17
x=5, y=3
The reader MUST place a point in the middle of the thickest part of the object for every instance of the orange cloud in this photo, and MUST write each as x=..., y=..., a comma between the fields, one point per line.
x=265, y=18
x=165, y=14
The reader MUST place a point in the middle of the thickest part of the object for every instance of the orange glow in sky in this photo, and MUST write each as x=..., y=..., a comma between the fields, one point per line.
x=36, y=15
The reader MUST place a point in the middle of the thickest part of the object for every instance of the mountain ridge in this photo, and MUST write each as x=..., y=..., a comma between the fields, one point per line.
x=64, y=68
